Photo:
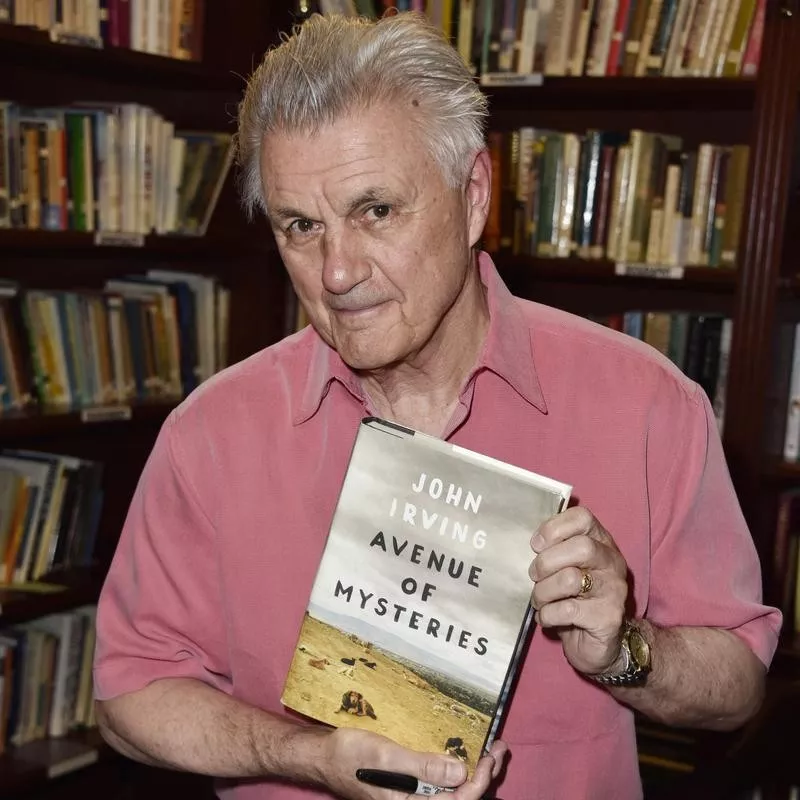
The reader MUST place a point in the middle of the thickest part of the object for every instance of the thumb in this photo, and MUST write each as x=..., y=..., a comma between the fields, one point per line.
x=442, y=770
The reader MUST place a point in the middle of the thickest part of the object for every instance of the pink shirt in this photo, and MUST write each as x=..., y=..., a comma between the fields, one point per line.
x=219, y=551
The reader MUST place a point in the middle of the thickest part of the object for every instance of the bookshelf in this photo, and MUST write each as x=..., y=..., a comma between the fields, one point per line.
x=760, y=112
x=195, y=96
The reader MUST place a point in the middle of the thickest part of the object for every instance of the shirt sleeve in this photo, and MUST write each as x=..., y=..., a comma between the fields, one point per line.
x=160, y=611
x=704, y=567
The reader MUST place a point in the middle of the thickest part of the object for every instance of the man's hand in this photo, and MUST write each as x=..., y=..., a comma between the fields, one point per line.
x=589, y=623
x=348, y=749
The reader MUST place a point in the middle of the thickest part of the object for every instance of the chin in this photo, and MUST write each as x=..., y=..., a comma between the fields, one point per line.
x=366, y=362
x=372, y=351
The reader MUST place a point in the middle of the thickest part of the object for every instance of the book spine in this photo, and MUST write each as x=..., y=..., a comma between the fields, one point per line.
x=648, y=35
x=752, y=53
x=589, y=187
x=702, y=187
x=619, y=202
x=791, y=442
x=633, y=39
x=600, y=220
x=739, y=37
x=597, y=58
x=616, y=46
x=723, y=47
x=661, y=39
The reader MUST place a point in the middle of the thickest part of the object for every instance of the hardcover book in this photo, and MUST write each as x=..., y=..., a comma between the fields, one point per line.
x=420, y=610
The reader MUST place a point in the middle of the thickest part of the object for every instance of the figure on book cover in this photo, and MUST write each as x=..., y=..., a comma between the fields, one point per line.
x=364, y=144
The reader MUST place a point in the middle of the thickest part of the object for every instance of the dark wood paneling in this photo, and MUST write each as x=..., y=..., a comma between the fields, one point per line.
x=761, y=252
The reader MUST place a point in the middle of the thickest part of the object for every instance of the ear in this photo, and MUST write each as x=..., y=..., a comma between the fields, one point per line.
x=478, y=195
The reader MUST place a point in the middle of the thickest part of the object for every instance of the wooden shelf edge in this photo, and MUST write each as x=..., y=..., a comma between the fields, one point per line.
x=20, y=45
x=579, y=270
x=82, y=588
x=776, y=469
x=35, y=242
x=45, y=422
x=30, y=766
x=627, y=92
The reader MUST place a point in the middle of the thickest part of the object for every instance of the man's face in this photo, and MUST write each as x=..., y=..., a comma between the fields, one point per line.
x=376, y=245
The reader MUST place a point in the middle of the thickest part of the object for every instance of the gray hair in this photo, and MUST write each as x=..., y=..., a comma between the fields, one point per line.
x=332, y=65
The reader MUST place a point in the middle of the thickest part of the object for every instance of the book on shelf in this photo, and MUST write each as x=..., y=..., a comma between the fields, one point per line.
x=172, y=28
x=698, y=344
x=517, y=42
x=108, y=168
x=420, y=610
x=51, y=513
x=45, y=678
x=634, y=198
x=142, y=337
x=782, y=396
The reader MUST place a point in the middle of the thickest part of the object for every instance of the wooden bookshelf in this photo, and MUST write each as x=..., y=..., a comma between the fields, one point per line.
x=30, y=766
x=30, y=243
x=28, y=47
x=646, y=93
x=48, y=422
x=242, y=255
x=80, y=587
x=603, y=271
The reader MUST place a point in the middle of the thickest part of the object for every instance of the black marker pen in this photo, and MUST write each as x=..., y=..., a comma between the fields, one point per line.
x=399, y=782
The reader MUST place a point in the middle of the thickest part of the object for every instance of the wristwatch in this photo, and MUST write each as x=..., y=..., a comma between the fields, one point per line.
x=636, y=660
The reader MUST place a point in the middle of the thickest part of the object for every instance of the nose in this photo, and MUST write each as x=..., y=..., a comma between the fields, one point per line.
x=344, y=264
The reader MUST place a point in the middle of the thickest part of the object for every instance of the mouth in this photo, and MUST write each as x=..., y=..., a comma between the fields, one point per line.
x=358, y=311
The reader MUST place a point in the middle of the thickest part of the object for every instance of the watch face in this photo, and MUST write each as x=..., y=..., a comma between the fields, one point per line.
x=640, y=650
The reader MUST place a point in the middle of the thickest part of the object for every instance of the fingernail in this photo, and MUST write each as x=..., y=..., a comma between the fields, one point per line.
x=537, y=543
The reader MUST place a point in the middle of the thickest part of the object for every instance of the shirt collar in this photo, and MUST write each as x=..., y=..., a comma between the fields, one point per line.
x=507, y=352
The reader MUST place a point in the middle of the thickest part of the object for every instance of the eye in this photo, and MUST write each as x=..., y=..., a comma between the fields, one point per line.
x=301, y=226
x=380, y=211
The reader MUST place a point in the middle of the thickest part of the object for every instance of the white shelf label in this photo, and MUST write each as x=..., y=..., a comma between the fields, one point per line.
x=106, y=414
x=76, y=762
x=511, y=79
x=663, y=271
x=118, y=239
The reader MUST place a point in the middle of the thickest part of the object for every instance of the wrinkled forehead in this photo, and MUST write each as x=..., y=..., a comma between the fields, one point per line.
x=375, y=146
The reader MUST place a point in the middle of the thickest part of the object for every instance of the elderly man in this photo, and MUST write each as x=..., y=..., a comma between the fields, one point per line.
x=363, y=143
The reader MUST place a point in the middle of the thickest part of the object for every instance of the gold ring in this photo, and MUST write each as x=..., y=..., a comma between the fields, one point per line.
x=586, y=582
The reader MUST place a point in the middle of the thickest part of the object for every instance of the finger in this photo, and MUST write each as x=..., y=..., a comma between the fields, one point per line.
x=576, y=553
x=566, y=582
x=498, y=751
x=600, y=621
x=441, y=771
x=475, y=788
x=559, y=614
x=575, y=521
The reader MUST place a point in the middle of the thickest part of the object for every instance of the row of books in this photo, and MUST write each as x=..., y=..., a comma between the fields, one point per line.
x=698, y=344
x=675, y=38
x=50, y=508
x=172, y=28
x=46, y=677
x=636, y=197
x=505, y=40
x=107, y=168
x=142, y=337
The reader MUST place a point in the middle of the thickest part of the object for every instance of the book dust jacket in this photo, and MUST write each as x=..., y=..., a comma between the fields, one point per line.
x=421, y=602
